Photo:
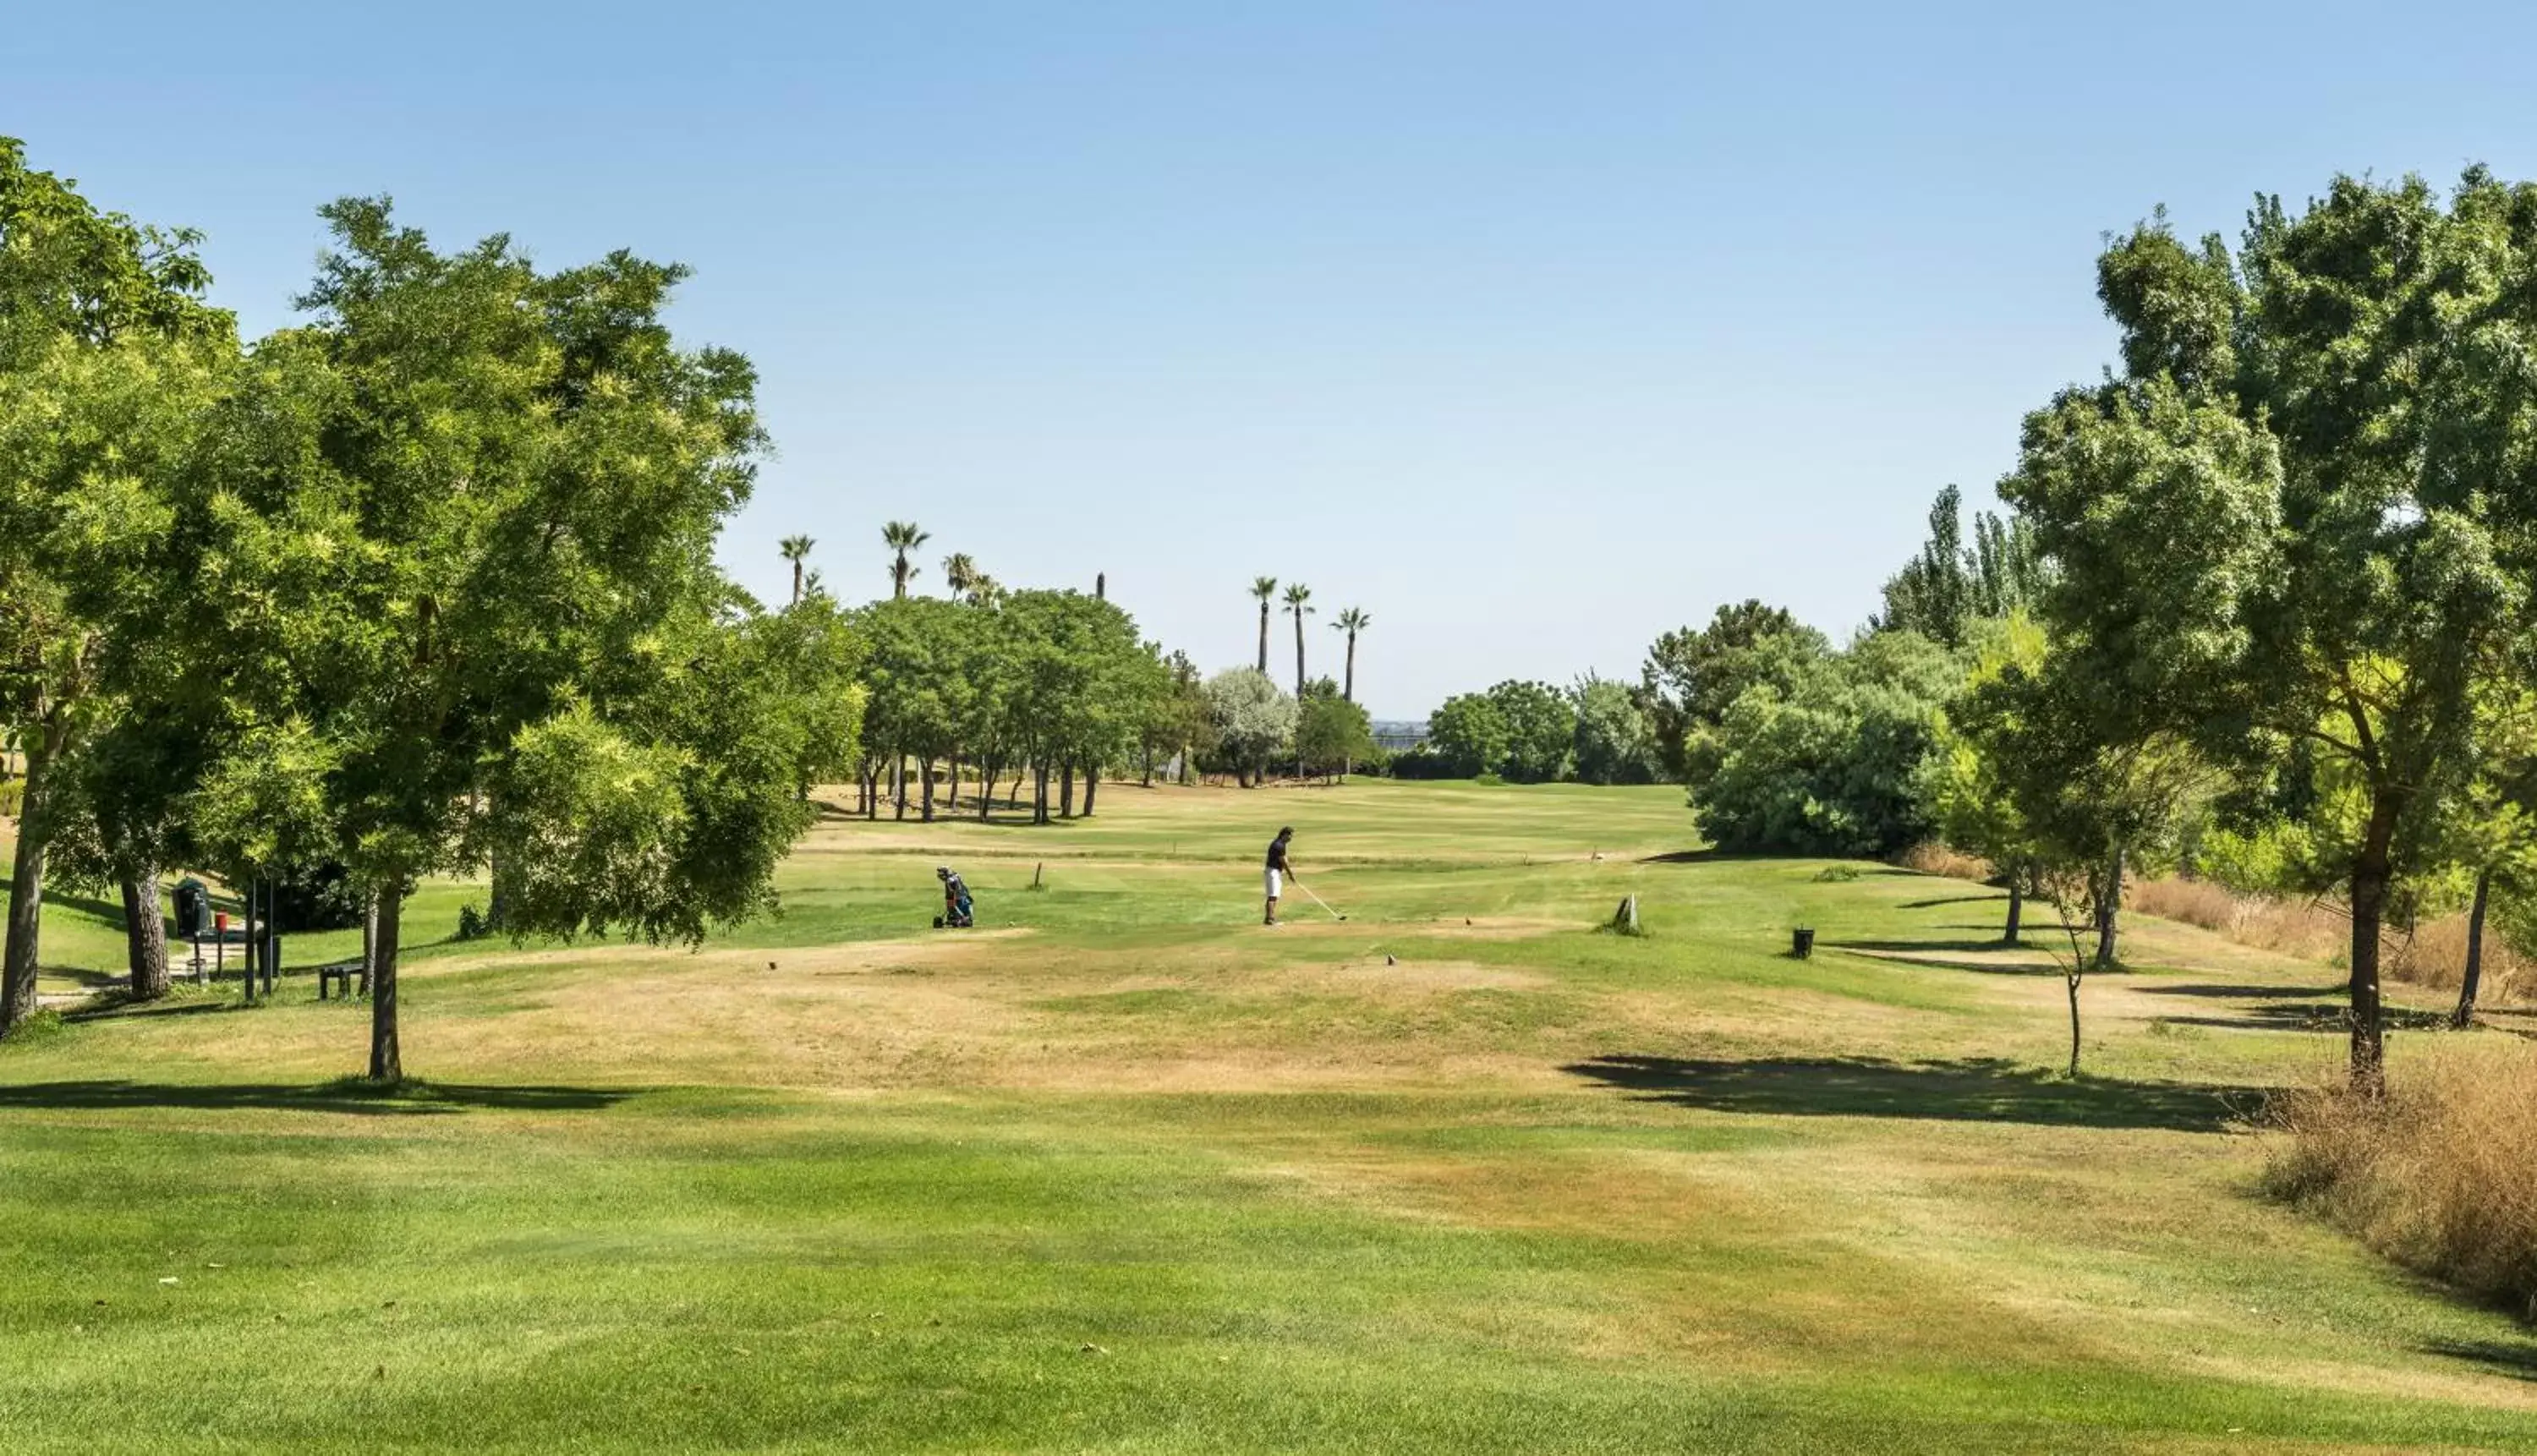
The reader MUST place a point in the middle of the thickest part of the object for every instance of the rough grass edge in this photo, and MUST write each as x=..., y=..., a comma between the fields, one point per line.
x=2434, y=1175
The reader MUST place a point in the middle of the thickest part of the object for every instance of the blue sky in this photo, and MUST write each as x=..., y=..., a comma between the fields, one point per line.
x=1531, y=329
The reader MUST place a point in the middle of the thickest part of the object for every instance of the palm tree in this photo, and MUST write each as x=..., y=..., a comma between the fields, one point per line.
x=959, y=573
x=1296, y=597
x=1266, y=589
x=902, y=536
x=1351, y=621
x=986, y=590
x=796, y=549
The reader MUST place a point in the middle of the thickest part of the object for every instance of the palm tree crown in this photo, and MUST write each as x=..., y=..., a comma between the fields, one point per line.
x=796, y=550
x=1351, y=621
x=1298, y=596
x=959, y=573
x=902, y=536
x=1266, y=589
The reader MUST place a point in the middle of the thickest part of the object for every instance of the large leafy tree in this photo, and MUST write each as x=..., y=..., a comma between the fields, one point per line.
x=1541, y=729
x=1615, y=743
x=1253, y=720
x=106, y=351
x=1332, y=732
x=1835, y=763
x=1690, y=676
x=458, y=533
x=1953, y=583
x=2303, y=514
x=1467, y=735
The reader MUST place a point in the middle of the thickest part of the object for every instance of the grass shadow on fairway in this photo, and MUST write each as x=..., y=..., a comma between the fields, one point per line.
x=1875, y=947
x=2246, y=992
x=1978, y=968
x=1967, y=1089
x=1953, y=899
x=2506, y=1356
x=351, y=1094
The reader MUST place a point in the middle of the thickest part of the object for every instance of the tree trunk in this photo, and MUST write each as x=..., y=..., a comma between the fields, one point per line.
x=27, y=894
x=925, y=769
x=2016, y=908
x=1264, y=636
x=951, y=800
x=2370, y=872
x=497, y=899
x=2109, y=903
x=898, y=785
x=386, y=1064
x=1091, y=785
x=369, y=936
x=2464, y=1016
x=1065, y=792
x=144, y=934
x=1150, y=766
x=1299, y=654
x=1348, y=689
x=2072, y=980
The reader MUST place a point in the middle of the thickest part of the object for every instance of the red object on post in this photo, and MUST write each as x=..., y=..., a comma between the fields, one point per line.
x=220, y=922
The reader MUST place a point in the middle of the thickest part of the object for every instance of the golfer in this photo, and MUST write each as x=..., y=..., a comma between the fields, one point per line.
x=1279, y=870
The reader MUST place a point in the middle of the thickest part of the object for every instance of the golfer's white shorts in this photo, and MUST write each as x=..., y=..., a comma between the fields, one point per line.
x=1274, y=882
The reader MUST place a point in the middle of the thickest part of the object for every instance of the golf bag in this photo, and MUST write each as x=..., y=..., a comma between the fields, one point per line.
x=958, y=909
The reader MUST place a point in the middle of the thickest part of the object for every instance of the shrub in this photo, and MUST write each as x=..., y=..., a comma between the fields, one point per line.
x=2436, y=1174
x=1835, y=766
x=472, y=923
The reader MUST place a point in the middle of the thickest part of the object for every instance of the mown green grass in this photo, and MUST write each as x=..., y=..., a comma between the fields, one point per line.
x=1125, y=1172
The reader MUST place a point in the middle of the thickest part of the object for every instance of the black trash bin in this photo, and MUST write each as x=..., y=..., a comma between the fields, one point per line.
x=1801, y=943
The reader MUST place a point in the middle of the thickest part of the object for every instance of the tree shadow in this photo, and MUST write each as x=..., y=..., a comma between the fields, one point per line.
x=87, y=979
x=2517, y=1358
x=1977, y=968
x=1873, y=947
x=2244, y=993
x=1953, y=899
x=351, y=1094
x=1965, y=1090
x=2327, y=1017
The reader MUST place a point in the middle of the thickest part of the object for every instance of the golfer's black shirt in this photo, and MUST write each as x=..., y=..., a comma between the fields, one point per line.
x=1277, y=854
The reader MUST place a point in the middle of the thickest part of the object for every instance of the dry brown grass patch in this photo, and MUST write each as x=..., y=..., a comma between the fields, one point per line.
x=2436, y=1173
x=2433, y=954
x=1936, y=859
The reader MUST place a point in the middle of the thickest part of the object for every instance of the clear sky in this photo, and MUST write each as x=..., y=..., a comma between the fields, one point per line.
x=1531, y=329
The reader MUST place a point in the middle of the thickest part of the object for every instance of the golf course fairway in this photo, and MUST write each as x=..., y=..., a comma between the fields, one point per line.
x=1123, y=1170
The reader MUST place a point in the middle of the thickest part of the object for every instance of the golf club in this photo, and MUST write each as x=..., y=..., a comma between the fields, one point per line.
x=1317, y=900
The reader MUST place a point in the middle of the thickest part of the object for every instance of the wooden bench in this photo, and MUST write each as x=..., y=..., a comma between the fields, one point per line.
x=346, y=973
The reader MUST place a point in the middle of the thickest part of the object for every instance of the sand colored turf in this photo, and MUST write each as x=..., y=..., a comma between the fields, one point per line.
x=1123, y=1170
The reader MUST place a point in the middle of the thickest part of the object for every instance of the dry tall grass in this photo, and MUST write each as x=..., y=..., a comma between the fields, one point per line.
x=2437, y=1174
x=2433, y=955
x=1933, y=857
